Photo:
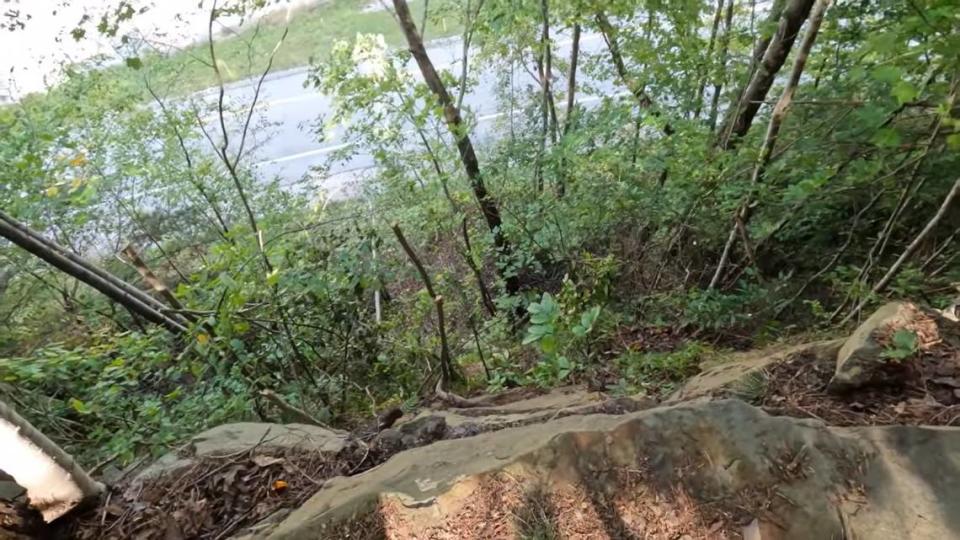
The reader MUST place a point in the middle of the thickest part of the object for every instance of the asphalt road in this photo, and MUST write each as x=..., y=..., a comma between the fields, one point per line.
x=282, y=141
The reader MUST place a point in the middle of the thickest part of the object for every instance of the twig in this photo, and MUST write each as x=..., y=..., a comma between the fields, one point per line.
x=453, y=399
x=908, y=252
x=446, y=368
x=299, y=414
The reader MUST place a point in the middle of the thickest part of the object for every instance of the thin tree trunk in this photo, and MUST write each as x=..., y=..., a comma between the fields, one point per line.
x=740, y=118
x=717, y=16
x=150, y=278
x=485, y=296
x=570, y=116
x=446, y=367
x=724, y=53
x=546, y=68
x=55, y=483
x=908, y=252
x=468, y=156
x=124, y=294
x=743, y=213
x=572, y=79
x=616, y=57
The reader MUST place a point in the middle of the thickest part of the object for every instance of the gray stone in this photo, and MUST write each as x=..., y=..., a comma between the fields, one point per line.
x=860, y=361
x=230, y=439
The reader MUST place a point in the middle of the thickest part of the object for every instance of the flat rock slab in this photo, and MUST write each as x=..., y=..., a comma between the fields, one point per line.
x=557, y=403
x=697, y=470
x=228, y=439
x=725, y=377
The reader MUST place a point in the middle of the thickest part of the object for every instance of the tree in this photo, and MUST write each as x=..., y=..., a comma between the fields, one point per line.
x=468, y=156
x=742, y=214
x=775, y=52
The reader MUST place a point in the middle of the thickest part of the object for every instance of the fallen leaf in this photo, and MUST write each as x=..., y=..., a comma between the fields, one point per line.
x=266, y=461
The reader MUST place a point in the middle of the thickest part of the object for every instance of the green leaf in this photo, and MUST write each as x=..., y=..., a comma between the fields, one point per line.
x=273, y=277
x=884, y=43
x=590, y=317
x=528, y=339
x=905, y=339
x=904, y=92
x=903, y=345
x=886, y=138
x=548, y=344
x=953, y=141
x=134, y=63
x=540, y=318
x=887, y=74
x=79, y=406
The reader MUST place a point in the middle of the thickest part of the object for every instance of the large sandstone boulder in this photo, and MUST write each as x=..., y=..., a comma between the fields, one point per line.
x=718, y=469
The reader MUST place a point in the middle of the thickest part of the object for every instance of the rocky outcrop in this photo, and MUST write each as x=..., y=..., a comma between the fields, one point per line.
x=703, y=470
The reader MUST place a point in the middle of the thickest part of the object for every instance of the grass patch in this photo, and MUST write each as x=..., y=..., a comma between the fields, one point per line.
x=662, y=371
x=312, y=32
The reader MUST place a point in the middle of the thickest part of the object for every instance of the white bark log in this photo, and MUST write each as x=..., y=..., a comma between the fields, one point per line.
x=54, y=482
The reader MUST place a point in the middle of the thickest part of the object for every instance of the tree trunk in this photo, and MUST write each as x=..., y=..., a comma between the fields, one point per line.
x=609, y=34
x=150, y=278
x=743, y=213
x=739, y=118
x=134, y=300
x=717, y=15
x=446, y=366
x=54, y=482
x=545, y=65
x=468, y=156
x=572, y=79
x=724, y=53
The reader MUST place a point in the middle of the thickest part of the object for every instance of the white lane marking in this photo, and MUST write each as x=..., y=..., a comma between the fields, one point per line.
x=485, y=118
x=288, y=100
x=308, y=153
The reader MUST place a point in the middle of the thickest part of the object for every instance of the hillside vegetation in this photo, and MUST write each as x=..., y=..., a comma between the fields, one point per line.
x=758, y=171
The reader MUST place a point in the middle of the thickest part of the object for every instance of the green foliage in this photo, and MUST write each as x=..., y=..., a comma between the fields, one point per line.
x=121, y=395
x=903, y=345
x=662, y=370
x=558, y=334
x=311, y=32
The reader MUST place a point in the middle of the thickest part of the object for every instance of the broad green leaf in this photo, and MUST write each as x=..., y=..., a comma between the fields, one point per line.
x=548, y=344
x=904, y=92
x=887, y=74
x=78, y=406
